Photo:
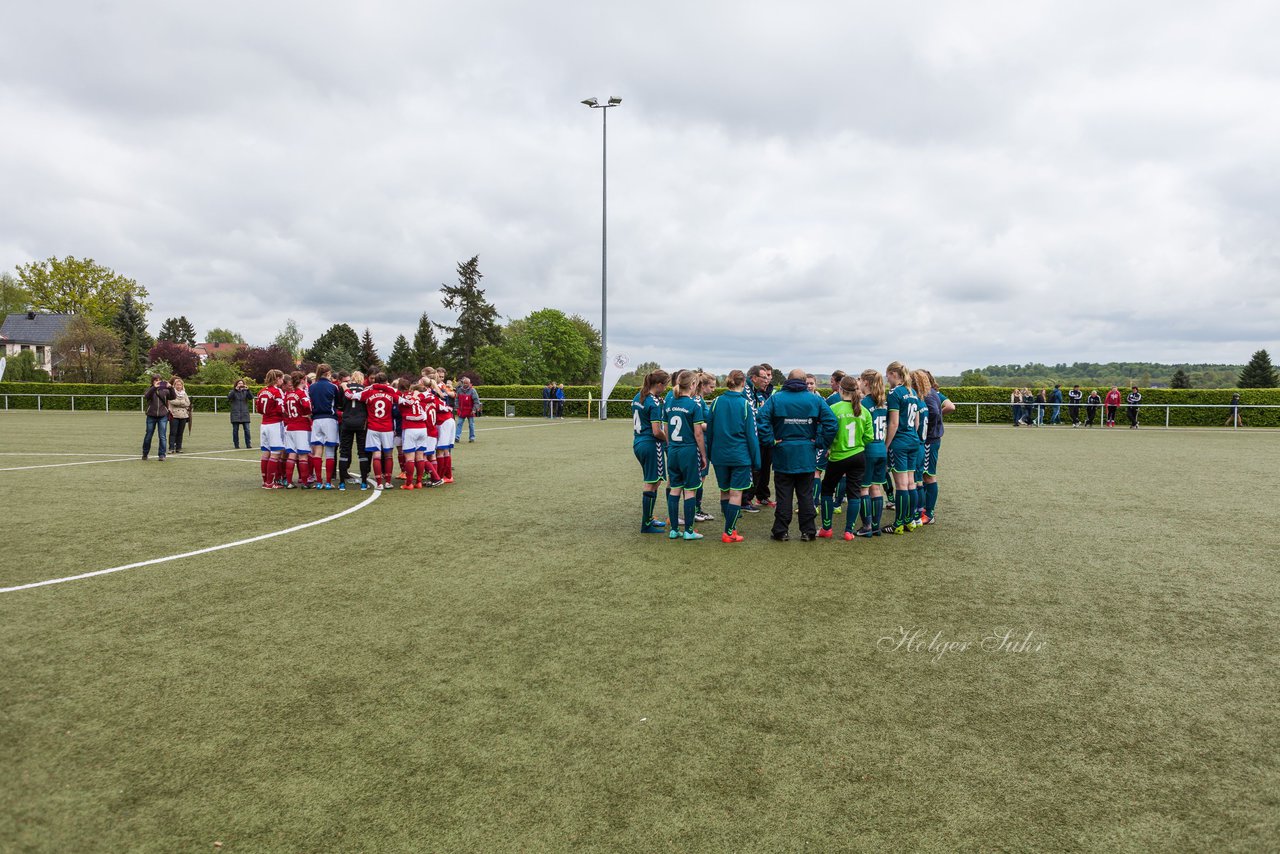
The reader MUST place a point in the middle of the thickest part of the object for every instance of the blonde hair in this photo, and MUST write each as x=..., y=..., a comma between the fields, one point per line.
x=875, y=385
x=274, y=376
x=900, y=370
x=921, y=379
x=685, y=381
x=357, y=377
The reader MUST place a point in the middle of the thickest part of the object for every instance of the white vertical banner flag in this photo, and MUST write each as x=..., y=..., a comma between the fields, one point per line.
x=2, y=365
x=614, y=368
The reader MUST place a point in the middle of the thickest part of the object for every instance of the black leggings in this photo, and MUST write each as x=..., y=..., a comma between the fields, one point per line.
x=176, y=427
x=347, y=436
x=851, y=468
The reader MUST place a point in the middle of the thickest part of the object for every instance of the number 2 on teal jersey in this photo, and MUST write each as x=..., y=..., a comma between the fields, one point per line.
x=677, y=423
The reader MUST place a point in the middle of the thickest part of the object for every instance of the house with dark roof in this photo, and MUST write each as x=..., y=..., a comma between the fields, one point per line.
x=33, y=331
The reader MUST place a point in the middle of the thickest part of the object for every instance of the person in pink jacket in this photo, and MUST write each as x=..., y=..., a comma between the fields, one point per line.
x=1113, y=404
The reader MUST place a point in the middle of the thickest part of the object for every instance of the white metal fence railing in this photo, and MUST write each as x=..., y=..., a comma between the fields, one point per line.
x=532, y=407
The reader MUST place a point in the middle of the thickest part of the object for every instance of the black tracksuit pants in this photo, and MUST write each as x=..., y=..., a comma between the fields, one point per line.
x=349, y=434
x=792, y=487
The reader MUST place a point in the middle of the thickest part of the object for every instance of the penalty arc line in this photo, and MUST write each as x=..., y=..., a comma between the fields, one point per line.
x=152, y=562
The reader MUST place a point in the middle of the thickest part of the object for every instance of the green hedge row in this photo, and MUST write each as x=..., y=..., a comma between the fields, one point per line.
x=1153, y=401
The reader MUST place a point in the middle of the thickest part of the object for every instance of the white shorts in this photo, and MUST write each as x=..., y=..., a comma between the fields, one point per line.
x=297, y=442
x=448, y=430
x=430, y=445
x=415, y=439
x=380, y=441
x=324, y=432
x=271, y=436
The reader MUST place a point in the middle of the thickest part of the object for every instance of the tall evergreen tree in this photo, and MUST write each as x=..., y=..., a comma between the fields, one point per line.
x=369, y=361
x=1180, y=379
x=477, y=318
x=426, y=349
x=340, y=335
x=1259, y=373
x=178, y=330
x=402, y=360
x=130, y=324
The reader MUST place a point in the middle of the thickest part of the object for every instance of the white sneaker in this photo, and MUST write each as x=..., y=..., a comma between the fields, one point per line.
x=700, y=516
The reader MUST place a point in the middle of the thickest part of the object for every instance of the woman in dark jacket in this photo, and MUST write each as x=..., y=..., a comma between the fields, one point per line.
x=240, y=398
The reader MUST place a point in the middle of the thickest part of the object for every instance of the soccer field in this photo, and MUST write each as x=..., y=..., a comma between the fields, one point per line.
x=506, y=664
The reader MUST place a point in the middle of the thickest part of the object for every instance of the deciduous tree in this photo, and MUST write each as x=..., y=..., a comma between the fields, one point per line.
x=218, y=335
x=79, y=286
x=184, y=360
x=87, y=353
x=341, y=335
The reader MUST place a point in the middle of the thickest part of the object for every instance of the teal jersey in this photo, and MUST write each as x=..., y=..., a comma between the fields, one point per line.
x=666, y=401
x=853, y=433
x=833, y=399
x=879, y=422
x=904, y=401
x=643, y=414
x=682, y=414
x=730, y=435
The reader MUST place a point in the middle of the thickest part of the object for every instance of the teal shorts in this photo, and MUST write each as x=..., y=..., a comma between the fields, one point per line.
x=683, y=467
x=902, y=457
x=733, y=477
x=931, y=457
x=876, y=472
x=652, y=459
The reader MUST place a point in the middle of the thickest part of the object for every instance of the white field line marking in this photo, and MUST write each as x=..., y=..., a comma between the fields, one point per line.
x=82, y=463
x=45, y=454
x=259, y=538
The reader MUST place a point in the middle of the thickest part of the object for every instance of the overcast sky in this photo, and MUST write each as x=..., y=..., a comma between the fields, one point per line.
x=811, y=184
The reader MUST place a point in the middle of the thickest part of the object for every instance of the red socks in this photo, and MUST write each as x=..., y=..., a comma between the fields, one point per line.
x=304, y=469
x=377, y=468
x=330, y=468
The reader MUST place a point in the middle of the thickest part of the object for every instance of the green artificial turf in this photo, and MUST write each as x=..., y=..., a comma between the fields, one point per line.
x=505, y=664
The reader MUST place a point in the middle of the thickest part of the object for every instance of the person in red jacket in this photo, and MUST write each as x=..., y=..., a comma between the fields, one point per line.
x=468, y=407
x=1113, y=405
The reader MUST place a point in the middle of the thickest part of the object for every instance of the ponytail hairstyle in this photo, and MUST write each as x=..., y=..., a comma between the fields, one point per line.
x=849, y=385
x=652, y=379
x=875, y=385
x=296, y=378
x=899, y=370
x=286, y=381
x=706, y=381
x=921, y=379
x=684, y=382
x=274, y=376
x=380, y=377
x=402, y=385
x=736, y=380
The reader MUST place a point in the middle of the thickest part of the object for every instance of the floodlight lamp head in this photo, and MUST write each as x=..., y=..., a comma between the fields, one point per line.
x=615, y=101
x=591, y=102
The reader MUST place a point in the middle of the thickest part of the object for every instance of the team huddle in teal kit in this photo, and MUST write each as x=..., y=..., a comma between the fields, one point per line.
x=848, y=448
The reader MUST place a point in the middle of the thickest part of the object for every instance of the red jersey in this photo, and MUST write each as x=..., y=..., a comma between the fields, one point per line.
x=378, y=400
x=270, y=403
x=443, y=409
x=297, y=411
x=414, y=410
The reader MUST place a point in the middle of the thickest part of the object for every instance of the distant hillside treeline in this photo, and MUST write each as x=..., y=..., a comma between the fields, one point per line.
x=1145, y=374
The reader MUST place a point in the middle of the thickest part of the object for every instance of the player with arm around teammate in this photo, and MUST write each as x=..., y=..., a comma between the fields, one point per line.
x=648, y=440
x=685, y=451
x=270, y=405
x=733, y=447
x=901, y=439
x=938, y=405
x=876, y=472
x=297, y=430
x=379, y=438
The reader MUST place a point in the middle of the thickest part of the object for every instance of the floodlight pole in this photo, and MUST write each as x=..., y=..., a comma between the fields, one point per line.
x=604, y=242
